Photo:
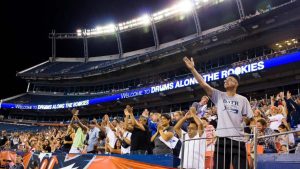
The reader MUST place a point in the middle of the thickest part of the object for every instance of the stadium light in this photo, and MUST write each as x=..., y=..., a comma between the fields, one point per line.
x=185, y=6
x=180, y=8
x=99, y=30
x=146, y=19
x=79, y=32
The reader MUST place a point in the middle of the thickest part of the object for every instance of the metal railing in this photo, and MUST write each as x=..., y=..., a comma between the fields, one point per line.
x=226, y=153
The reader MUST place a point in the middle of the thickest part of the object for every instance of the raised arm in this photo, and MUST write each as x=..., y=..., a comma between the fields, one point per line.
x=197, y=120
x=165, y=135
x=179, y=124
x=82, y=126
x=134, y=122
x=72, y=123
x=191, y=66
x=126, y=113
x=154, y=136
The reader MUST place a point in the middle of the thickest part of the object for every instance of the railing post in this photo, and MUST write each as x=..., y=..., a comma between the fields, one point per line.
x=182, y=151
x=255, y=148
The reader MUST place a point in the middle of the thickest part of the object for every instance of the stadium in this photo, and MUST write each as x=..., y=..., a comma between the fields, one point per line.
x=140, y=63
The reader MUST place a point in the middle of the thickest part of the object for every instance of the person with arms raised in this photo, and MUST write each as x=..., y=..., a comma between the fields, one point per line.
x=233, y=111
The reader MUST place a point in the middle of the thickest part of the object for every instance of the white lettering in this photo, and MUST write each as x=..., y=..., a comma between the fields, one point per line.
x=261, y=65
x=224, y=74
x=253, y=67
x=216, y=76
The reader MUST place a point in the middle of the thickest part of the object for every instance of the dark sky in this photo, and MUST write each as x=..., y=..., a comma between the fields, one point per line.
x=26, y=24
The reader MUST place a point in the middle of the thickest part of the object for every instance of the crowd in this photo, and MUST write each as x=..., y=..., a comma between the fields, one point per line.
x=156, y=133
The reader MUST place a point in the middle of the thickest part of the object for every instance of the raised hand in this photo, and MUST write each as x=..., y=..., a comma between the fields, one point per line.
x=189, y=63
x=126, y=112
x=75, y=112
x=288, y=95
x=130, y=109
x=192, y=110
x=188, y=115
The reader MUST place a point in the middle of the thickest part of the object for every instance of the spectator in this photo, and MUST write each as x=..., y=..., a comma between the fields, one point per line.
x=110, y=130
x=294, y=109
x=125, y=136
x=116, y=149
x=177, y=116
x=287, y=139
x=140, y=138
x=201, y=106
x=19, y=163
x=194, y=150
x=268, y=142
x=276, y=119
x=234, y=111
x=3, y=138
x=164, y=134
x=80, y=135
x=256, y=116
x=68, y=139
x=93, y=136
x=152, y=122
x=46, y=146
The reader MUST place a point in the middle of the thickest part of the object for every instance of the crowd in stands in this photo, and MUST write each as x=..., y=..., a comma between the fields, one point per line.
x=156, y=133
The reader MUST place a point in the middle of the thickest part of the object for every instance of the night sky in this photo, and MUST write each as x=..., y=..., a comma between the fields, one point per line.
x=26, y=24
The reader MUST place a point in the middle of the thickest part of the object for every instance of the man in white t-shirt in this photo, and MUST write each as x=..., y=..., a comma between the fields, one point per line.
x=194, y=150
x=234, y=111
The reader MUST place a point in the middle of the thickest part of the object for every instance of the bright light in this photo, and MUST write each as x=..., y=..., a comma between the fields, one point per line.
x=145, y=19
x=110, y=28
x=277, y=44
x=79, y=32
x=185, y=6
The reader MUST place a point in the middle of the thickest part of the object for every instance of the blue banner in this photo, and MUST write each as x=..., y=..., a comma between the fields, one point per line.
x=244, y=69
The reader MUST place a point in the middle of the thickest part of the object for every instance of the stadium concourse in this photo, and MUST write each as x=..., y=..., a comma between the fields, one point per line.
x=147, y=108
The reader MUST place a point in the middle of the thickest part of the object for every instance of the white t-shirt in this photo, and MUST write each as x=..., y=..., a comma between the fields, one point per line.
x=126, y=135
x=111, y=136
x=194, y=151
x=275, y=121
x=231, y=110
